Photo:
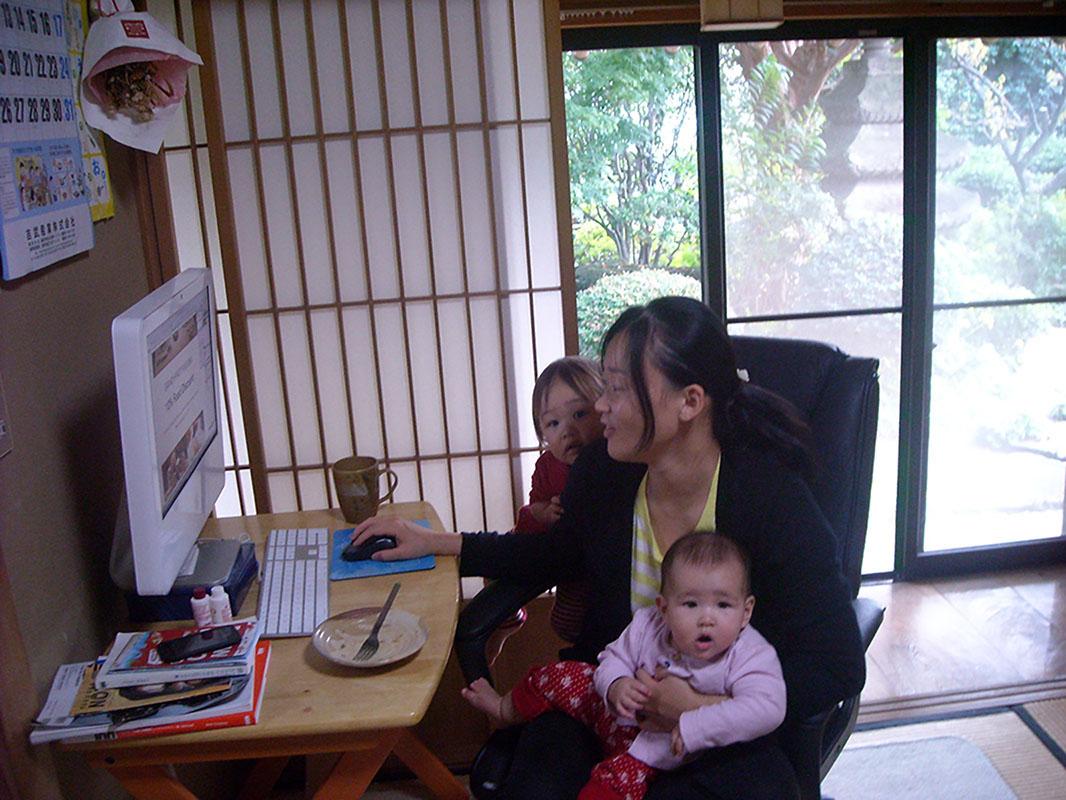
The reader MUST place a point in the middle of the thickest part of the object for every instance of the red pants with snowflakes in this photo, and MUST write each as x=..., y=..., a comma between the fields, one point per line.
x=567, y=687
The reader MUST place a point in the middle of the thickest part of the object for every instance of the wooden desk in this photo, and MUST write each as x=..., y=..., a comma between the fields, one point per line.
x=312, y=705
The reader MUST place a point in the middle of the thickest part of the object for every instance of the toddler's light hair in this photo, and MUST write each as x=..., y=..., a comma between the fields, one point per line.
x=580, y=374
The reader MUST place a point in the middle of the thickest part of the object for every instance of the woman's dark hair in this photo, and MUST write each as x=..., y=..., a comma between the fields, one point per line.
x=688, y=343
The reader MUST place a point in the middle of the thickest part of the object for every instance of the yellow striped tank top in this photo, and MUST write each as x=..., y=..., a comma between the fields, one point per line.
x=647, y=558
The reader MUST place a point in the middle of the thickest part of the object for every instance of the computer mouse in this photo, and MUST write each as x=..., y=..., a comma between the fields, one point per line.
x=363, y=551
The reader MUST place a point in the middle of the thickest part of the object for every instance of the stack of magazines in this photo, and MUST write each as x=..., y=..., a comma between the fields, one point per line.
x=133, y=691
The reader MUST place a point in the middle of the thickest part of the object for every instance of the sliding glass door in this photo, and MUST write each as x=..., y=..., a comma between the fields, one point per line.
x=897, y=189
x=997, y=425
x=812, y=166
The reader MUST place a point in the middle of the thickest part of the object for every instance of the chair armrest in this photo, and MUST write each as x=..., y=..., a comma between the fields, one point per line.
x=494, y=604
x=869, y=615
x=814, y=743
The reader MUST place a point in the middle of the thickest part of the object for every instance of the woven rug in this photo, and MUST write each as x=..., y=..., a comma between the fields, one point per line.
x=1002, y=755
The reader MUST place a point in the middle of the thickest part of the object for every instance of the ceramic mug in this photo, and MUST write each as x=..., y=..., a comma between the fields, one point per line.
x=357, y=480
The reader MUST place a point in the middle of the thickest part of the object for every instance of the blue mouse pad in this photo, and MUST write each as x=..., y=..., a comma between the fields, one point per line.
x=340, y=570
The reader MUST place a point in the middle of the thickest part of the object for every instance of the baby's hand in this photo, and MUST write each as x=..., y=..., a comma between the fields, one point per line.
x=627, y=696
x=677, y=744
x=547, y=512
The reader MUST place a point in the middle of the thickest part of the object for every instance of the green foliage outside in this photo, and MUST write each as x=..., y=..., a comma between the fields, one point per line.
x=1006, y=99
x=788, y=245
x=634, y=189
x=600, y=305
x=792, y=247
x=631, y=133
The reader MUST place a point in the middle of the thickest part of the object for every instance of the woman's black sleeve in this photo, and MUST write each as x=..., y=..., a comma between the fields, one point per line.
x=546, y=558
x=807, y=603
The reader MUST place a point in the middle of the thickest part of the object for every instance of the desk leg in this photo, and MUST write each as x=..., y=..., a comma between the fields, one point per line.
x=151, y=783
x=429, y=769
x=261, y=779
x=356, y=769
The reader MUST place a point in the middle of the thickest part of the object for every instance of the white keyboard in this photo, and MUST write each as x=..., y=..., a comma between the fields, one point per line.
x=294, y=593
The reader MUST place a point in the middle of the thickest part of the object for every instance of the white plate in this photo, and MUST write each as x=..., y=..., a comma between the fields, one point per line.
x=340, y=637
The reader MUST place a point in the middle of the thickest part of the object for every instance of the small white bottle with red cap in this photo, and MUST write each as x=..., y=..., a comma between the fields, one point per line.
x=201, y=606
x=220, y=608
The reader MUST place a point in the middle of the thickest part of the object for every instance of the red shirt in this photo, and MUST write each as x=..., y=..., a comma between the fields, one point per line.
x=571, y=599
x=549, y=480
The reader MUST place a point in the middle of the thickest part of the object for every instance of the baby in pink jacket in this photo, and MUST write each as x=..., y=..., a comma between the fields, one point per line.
x=697, y=630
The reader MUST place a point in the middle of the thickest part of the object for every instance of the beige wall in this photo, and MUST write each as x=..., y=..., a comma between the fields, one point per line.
x=60, y=486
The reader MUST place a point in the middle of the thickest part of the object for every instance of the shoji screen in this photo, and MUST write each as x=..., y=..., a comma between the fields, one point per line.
x=383, y=176
x=196, y=235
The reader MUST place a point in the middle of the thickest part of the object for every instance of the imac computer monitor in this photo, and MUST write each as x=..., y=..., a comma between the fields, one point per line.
x=166, y=374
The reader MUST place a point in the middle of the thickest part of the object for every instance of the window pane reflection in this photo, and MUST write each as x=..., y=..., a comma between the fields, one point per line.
x=1001, y=169
x=997, y=441
x=812, y=137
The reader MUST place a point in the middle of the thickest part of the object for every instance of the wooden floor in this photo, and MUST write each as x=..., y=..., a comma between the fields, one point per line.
x=967, y=643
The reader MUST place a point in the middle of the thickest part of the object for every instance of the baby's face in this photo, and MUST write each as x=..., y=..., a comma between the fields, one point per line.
x=568, y=422
x=706, y=608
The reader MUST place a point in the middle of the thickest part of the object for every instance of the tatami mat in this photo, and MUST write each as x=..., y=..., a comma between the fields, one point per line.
x=1051, y=716
x=1029, y=768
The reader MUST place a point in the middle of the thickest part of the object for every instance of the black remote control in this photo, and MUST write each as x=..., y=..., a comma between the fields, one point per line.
x=198, y=643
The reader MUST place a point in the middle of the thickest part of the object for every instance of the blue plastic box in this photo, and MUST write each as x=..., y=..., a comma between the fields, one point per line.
x=154, y=608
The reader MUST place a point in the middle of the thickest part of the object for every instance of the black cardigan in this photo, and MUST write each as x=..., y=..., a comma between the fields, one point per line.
x=802, y=603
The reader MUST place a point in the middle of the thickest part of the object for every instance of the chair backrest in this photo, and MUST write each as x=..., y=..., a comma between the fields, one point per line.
x=838, y=394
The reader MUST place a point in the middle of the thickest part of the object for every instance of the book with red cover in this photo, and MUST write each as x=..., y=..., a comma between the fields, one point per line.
x=53, y=724
x=231, y=720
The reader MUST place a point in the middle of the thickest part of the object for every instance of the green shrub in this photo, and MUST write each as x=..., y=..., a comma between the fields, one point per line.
x=987, y=172
x=600, y=304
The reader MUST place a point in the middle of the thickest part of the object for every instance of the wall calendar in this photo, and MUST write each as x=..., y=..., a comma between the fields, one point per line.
x=44, y=202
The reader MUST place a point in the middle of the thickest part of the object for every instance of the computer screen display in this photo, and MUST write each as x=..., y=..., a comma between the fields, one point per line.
x=166, y=384
x=183, y=393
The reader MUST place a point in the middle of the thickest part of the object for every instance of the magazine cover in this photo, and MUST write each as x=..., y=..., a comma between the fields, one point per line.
x=91, y=700
x=134, y=661
x=140, y=651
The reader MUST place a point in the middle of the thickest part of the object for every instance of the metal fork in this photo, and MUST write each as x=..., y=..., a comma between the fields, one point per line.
x=370, y=646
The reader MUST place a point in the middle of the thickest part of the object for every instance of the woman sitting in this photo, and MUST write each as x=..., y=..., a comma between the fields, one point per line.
x=688, y=445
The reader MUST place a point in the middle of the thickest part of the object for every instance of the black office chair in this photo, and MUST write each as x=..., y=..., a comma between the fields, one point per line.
x=839, y=395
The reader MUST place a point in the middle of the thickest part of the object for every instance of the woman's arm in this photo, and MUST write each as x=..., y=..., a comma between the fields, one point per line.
x=541, y=558
x=668, y=698
x=754, y=708
x=804, y=604
x=412, y=540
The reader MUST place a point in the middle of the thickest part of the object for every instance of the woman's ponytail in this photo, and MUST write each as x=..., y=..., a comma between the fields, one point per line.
x=757, y=416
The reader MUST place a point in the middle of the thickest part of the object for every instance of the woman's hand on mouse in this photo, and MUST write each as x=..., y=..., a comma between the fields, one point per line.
x=412, y=540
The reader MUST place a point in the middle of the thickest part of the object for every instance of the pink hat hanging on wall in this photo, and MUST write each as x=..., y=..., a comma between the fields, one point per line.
x=133, y=75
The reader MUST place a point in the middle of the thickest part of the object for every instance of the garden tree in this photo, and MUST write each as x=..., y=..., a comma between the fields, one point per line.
x=1008, y=92
x=1008, y=98
x=788, y=247
x=630, y=126
x=809, y=63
